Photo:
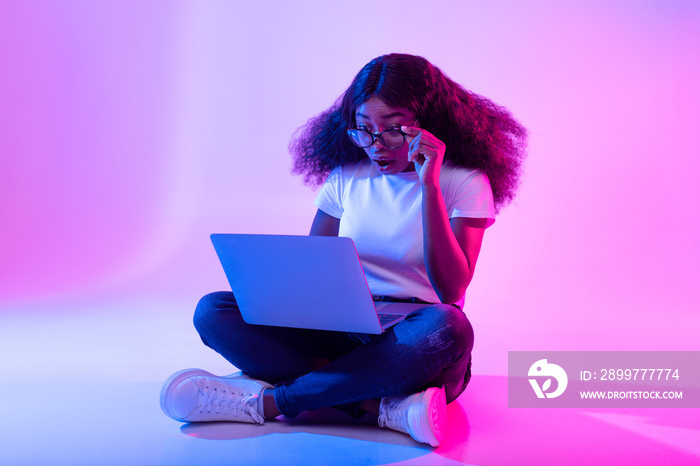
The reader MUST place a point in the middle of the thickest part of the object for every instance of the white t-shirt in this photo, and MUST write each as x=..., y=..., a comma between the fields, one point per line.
x=383, y=216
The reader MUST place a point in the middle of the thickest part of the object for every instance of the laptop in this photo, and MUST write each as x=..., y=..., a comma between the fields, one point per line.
x=313, y=282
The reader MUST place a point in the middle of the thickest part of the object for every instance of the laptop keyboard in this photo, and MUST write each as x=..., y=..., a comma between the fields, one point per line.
x=386, y=319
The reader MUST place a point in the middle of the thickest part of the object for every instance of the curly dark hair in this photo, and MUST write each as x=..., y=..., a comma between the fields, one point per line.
x=477, y=132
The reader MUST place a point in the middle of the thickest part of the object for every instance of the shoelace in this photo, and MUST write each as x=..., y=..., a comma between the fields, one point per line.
x=218, y=397
x=393, y=415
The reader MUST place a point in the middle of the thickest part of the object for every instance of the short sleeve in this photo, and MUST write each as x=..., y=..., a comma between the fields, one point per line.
x=468, y=194
x=330, y=197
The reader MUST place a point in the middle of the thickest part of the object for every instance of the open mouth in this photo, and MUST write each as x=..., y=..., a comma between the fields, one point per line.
x=382, y=163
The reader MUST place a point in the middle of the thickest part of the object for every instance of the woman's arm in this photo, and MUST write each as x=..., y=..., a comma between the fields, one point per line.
x=450, y=247
x=324, y=225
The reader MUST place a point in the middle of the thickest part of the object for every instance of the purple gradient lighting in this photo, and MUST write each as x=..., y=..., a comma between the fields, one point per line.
x=130, y=131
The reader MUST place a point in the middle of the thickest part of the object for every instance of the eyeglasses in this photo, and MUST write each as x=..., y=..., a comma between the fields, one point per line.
x=392, y=138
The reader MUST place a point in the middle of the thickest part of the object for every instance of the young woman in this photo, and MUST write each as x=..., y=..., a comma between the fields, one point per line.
x=414, y=169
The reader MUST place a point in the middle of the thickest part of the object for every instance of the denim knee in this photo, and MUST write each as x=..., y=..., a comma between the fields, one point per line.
x=444, y=327
x=455, y=319
x=207, y=313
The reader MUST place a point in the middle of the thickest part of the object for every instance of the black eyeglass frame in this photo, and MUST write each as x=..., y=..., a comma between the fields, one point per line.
x=376, y=136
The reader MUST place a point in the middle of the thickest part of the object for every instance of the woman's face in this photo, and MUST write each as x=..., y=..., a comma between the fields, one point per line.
x=376, y=116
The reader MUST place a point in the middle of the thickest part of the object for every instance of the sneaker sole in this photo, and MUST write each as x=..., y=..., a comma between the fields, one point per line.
x=427, y=418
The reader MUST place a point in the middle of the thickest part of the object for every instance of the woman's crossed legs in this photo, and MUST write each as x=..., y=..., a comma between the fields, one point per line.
x=312, y=369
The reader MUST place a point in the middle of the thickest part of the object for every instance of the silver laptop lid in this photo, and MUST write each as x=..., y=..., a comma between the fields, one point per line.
x=312, y=282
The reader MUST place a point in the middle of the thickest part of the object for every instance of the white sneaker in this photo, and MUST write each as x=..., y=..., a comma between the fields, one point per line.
x=194, y=395
x=421, y=415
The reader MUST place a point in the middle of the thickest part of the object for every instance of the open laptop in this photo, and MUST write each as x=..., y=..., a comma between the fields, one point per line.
x=313, y=282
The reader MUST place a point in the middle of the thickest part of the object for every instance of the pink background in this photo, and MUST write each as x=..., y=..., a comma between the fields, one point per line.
x=129, y=131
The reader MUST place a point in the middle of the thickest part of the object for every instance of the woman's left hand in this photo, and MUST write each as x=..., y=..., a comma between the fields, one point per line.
x=427, y=153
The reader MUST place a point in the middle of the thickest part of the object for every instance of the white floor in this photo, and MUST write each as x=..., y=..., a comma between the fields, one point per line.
x=81, y=382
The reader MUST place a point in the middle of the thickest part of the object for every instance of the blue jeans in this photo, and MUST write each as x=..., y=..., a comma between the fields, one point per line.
x=312, y=369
